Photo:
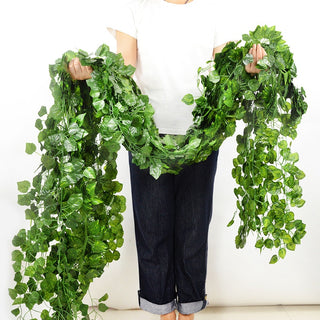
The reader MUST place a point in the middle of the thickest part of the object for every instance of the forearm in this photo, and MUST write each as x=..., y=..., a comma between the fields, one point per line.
x=127, y=46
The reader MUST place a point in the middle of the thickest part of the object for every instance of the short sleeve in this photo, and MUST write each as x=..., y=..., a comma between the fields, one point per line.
x=120, y=17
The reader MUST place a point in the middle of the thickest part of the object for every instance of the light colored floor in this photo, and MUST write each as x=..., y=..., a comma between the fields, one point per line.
x=311, y=312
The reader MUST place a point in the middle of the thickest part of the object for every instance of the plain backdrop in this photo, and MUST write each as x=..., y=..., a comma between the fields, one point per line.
x=35, y=33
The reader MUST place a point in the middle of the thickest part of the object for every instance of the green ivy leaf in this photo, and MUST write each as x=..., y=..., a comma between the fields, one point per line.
x=108, y=126
x=188, y=99
x=17, y=255
x=15, y=312
x=20, y=238
x=42, y=111
x=91, y=187
x=268, y=243
x=24, y=200
x=102, y=307
x=230, y=223
x=21, y=288
x=40, y=262
x=13, y=293
x=84, y=309
x=18, y=277
x=155, y=170
x=70, y=145
x=291, y=246
x=283, y=144
x=274, y=259
x=38, y=124
x=56, y=112
x=253, y=84
x=17, y=301
x=76, y=132
x=294, y=157
x=214, y=77
x=48, y=161
x=30, y=271
x=45, y=315
x=266, y=221
x=282, y=253
x=99, y=246
x=130, y=100
x=31, y=299
x=17, y=266
x=246, y=37
x=263, y=63
x=116, y=255
x=30, y=148
x=104, y=297
x=24, y=186
x=194, y=143
x=287, y=238
x=75, y=201
x=48, y=284
x=249, y=95
x=30, y=215
x=247, y=59
x=120, y=242
x=299, y=174
x=80, y=119
x=259, y=244
x=70, y=179
x=89, y=173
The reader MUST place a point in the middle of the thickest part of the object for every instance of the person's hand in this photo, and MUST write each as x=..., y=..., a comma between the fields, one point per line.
x=258, y=53
x=78, y=71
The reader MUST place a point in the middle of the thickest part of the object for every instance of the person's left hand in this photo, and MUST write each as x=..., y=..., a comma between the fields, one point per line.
x=258, y=53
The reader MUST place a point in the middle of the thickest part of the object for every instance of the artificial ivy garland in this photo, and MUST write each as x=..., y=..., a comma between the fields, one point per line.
x=73, y=205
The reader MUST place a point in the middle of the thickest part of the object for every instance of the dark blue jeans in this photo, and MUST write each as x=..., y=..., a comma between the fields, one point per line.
x=171, y=218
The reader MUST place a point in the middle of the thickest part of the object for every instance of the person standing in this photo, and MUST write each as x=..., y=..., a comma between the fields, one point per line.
x=167, y=41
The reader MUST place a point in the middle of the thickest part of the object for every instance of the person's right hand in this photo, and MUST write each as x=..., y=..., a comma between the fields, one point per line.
x=78, y=71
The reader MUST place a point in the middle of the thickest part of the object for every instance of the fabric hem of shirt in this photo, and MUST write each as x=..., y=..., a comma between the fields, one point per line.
x=114, y=30
x=172, y=131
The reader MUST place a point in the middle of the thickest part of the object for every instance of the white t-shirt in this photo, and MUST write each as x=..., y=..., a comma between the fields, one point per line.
x=173, y=41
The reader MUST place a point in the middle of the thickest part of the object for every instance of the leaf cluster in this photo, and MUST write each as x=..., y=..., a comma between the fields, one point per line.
x=270, y=106
x=73, y=203
x=265, y=169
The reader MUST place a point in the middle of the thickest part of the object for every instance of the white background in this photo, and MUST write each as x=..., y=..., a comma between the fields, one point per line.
x=35, y=33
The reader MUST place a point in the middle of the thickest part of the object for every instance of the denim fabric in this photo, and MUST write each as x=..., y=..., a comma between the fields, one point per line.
x=171, y=218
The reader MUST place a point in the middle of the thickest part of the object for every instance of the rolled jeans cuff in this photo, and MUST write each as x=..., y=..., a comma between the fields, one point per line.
x=182, y=307
x=156, y=308
x=192, y=307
